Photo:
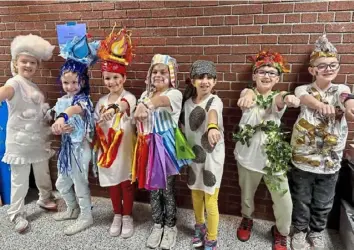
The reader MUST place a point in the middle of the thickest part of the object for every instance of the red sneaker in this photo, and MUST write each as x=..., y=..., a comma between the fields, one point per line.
x=245, y=229
x=279, y=241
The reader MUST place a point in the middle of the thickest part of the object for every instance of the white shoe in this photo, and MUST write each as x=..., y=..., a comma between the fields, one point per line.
x=69, y=214
x=169, y=237
x=128, y=227
x=116, y=226
x=298, y=240
x=316, y=240
x=83, y=222
x=21, y=224
x=155, y=236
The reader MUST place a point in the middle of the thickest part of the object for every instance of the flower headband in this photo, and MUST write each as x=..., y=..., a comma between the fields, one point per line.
x=271, y=59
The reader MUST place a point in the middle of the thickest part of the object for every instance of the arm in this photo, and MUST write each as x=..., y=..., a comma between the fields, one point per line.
x=59, y=125
x=284, y=98
x=6, y=93
x=247, y=98
x=214, y=134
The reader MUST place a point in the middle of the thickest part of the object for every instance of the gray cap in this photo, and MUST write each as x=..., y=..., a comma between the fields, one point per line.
x=202, y=67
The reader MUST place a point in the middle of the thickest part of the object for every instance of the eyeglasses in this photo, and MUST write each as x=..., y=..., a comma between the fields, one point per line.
x=264, y=73
x=324, y=66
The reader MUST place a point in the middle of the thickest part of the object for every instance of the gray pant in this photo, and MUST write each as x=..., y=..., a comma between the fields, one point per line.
x=312, y=196
x=163, y=204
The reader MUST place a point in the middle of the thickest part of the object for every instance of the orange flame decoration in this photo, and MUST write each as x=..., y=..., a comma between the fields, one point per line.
x=270, y=58
x=117, y=47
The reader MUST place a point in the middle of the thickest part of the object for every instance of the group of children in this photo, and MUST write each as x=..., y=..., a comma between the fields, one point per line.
x=129, y=140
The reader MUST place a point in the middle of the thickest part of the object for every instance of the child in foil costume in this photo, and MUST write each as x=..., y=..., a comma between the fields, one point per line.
x=115, y=132
x=74, y=122
x=159, y=152
x=203, y=127
x=261, y=151
x=318, y=140
x=27, y=141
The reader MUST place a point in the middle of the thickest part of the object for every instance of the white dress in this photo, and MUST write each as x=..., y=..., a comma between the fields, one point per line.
x=206, y=170
x=120, y=170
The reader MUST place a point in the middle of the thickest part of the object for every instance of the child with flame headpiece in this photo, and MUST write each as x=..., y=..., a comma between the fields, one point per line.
x=115, y=132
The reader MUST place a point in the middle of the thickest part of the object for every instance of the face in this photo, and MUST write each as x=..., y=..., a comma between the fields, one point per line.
x=113, y=81
x=204, y=84
x=160, y=76
x=26, y=66
x=70, y=83
x=266, y=77
x=325, y=68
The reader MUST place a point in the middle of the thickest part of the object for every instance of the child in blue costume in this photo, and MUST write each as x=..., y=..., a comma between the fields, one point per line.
x=74, y=122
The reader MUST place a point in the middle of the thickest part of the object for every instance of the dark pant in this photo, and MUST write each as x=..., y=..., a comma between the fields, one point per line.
x=312, y=196
x=122, y=193
x=163, y=204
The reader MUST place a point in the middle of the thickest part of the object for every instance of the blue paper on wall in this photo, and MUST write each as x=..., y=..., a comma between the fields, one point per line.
x=67, y=32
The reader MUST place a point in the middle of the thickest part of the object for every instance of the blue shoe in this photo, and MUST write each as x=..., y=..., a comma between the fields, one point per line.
x=199, y=235
x=210, y=245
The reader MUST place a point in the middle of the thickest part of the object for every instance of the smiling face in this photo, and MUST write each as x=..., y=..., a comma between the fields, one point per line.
x=26, y=66
x=204, y=84
x=266, y=77
x=113, y=81
x=325, y=69
x=160, y=77
x=70, y=83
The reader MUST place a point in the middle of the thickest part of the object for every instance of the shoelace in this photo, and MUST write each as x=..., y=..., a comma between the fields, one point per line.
x=246, y=224
x=317, y=240
x=279, y=239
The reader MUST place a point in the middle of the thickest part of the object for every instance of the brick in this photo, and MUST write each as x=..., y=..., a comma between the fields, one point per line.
x=212, y=58
x=346, y=69
x=10, y=26
x=49, y=17
x=261, y=19
x=346, y=59
x=276, y=18
x=262, y=39
x=4, y=10
x=80, y=6
x=37, y=9
x=127, y=5
x=278, y=8
x=247, y=9
x=290, y=77
x=325, y=17
x=204, y=3
x=283, y=49
x=18, y=10
x=114, y=14
x=103, y=6
x=24, y=26
x=204, y=40
x=231, y=59
x=254, y=29
x=244, y=77
x=232, y=40
x=59, y=7
x=308, y=28
x=219, y=10
x=195, y=31
x=151, y=4
x=152, y=41
x=308, y=17
x=190, y=12
x=203, y=21
x=348, y=38
x=277, y=29
x=343, y=17
x=174, y=4
x=292, y=18
x=341, y=5
x=190, y=50
x=222, y=30
x=245, y=49
x=311, y=7
x=340, y=27
x=144, y=32
x=247, y=19
x=217, y=50
x=350, y=79
x=217, y=21
x=69, y=16
x=138, y=13
x=2, y=27
x=231, y=20
x=334, y=38
x=289, y=39
x=179, y=41
x=164, y=13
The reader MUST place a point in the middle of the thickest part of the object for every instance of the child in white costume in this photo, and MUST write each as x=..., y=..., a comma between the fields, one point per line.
x=27, y=135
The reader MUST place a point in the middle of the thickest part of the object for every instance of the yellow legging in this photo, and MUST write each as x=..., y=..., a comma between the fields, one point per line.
x=200, y=198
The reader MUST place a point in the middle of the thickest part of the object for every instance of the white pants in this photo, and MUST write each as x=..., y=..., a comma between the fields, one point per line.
x=20, y=183
x=77, y=179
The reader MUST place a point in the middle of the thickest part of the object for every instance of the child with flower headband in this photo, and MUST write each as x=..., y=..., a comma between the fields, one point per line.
x=318, y=140
x=115, y=132
x=261, y=151
x=158, y=158
x=203, y=126
x=27, y=141
x=75, y=110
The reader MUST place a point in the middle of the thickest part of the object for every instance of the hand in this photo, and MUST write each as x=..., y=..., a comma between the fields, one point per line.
x=292, y=101
x=141, y=112
x=214, y=136
x=67, y=129
x=246, y=101
x=349, y=114
x=107, y=116
x=326, y=110
x=57, y=127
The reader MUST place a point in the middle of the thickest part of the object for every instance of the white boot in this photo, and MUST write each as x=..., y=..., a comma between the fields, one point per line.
x=84, y=221
x=116, y=226
x=128, y=226
x=69, y=214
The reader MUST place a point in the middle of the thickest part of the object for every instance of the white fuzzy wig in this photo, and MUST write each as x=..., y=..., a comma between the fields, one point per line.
x=31, y=45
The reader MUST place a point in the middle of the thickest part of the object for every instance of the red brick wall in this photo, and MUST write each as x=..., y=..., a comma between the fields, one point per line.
x=221, y=31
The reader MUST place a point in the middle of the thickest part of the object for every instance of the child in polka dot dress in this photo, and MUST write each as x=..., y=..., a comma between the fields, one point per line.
x=203, y=127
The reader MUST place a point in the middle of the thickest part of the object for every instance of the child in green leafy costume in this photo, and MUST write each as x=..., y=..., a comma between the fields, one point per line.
x=261, y=151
